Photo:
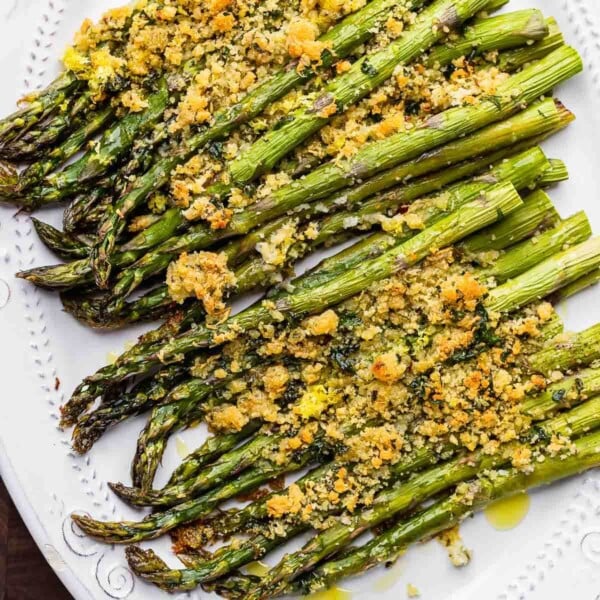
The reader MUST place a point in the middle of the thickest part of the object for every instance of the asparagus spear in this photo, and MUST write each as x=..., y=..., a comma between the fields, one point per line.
x=65, y=245
x=39, y=105
x=447, y=512
x=511, y=60
x=60, y=154
x=576, y=348
x=110, y=148
x=577, y=286
x=538, y=214
x=502, y=32
x=149, y=392
x=556, y=173
x=366, y=75
x=518, y=91
x=562, y=268
x=79, y=213
x=526, y=255
x=212, y=449
x=31, y=145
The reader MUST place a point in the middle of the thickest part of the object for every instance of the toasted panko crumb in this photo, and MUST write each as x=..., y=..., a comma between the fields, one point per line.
x=201, y=275
x=388, y=368
x=302, y=41
x=227, y=418
x=286, y=504
x=324, y=324
x=459, y=555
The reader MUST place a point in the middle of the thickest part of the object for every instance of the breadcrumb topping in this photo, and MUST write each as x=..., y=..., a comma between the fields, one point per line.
x=204, y=276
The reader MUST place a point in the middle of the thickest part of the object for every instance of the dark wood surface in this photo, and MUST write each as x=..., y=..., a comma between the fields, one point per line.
x=24, y=573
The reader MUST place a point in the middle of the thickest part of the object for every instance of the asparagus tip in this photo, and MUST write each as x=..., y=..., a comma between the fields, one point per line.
x=144, y=562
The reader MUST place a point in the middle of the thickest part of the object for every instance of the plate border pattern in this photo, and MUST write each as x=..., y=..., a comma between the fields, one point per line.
x=573, y=533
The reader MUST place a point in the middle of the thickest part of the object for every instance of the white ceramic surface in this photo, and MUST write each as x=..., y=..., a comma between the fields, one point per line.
x=553, y=554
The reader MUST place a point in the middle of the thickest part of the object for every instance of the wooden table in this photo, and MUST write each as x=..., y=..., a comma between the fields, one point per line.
x=24, y=572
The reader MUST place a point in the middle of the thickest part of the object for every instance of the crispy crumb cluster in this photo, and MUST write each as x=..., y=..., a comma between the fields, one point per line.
x=201, y=275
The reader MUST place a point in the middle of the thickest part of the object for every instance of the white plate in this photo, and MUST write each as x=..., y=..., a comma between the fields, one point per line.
x=554, y=553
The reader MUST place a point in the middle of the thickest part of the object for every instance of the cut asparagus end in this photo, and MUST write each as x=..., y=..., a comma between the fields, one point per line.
x=528, y=254
x=547, y=277
x=512, y=60
x=501, y=32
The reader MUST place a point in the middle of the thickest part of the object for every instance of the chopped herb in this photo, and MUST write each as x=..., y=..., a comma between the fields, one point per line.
x=368, y=69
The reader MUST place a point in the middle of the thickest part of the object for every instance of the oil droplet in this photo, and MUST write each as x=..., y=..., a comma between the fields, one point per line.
x=388, y=579
x=509, y=512
x=334, y=593
x=111, y=358
x=257, y=568
x=181, y=447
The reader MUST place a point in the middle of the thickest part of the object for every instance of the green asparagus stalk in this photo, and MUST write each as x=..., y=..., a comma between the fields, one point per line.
x=518, y=91
x=502, y=32
x=64, y=244
x=555, y=174
x=578, y=348
x=538, y=214
x=39, y=106
x=149, y=392
x=34, y=174
x=573, y=230
x=76, y=216
x=577, y=286
x=212, y=449
x=545, y=278
x=448, y=512
x=110, y=148
x=511, y=60
x=32, y=144
x=366, y=74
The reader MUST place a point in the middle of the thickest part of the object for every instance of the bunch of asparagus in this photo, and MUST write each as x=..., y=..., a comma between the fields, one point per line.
x=467, y=178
